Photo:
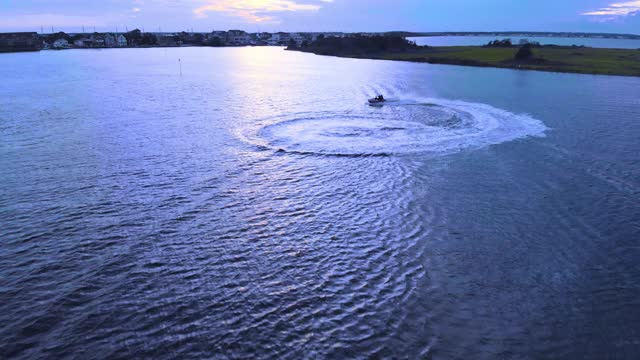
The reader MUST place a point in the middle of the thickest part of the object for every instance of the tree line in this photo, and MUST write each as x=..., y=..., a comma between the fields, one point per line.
x=356, y=44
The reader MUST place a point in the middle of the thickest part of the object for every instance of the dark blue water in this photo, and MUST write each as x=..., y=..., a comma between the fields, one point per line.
x=257, y=207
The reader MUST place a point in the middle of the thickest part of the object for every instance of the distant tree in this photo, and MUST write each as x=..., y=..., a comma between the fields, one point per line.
x=304, y=44
x=134, y=37
x=526, y=41
x=321, y=37
x=292, y=44
x=500, y=43
x=358, y=44
x=59, y=35
x=524, y=52
x=149, y=39
x=215, y=41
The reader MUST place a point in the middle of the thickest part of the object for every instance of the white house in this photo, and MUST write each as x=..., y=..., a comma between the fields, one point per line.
x=121, y=40
x=60, y=44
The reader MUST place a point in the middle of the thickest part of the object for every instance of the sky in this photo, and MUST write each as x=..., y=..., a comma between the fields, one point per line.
x=321, y=15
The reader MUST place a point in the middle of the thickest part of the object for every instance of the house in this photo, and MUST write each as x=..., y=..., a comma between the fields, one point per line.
x=299, y=38
x=84, y=42
x=121, y=41
x=280, y=38
x=264, y=36
x=60, y=44
x=237, y=37
x=98, y=40
x=110, y=40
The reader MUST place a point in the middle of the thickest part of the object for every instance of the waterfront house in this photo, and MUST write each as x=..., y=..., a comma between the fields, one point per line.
x=110, y=40
x=299, y=38
x=60, y=44
x=121, y=40
x=84, y=42
x=280, y=38
x=237, y=37
x=263, y=36
x=97, y=40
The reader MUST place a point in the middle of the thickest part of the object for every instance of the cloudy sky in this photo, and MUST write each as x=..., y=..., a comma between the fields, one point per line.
x=322, y=15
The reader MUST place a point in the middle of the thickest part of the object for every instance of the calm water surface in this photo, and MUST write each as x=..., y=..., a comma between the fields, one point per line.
x=256, y=207
x=563, y=41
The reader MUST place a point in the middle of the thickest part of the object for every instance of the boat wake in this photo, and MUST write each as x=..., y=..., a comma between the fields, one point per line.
x=434, y=126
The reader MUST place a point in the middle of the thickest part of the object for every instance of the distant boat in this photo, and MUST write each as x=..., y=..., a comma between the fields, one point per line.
x=378, y=100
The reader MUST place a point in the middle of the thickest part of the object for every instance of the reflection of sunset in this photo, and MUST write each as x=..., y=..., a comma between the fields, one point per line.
x=254, y=10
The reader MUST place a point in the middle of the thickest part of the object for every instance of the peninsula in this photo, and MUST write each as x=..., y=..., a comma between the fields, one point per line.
x=499, y=54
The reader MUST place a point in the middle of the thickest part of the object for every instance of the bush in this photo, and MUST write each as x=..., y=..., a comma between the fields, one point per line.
x=215, y=42
x=524, y=52
x=149, y=39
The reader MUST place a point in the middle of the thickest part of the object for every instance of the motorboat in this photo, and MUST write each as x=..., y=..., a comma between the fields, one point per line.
x=378, y=100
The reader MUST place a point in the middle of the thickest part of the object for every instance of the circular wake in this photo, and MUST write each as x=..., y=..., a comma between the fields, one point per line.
x=433, y=126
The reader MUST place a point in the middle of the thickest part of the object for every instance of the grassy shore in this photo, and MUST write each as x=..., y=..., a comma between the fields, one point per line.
x=547, y=58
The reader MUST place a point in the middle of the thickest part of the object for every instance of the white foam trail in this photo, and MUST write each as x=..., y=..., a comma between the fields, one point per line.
x=433, y=126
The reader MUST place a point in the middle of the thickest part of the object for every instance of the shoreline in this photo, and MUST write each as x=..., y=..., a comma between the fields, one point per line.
x=558, y=59
x=548, y=58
